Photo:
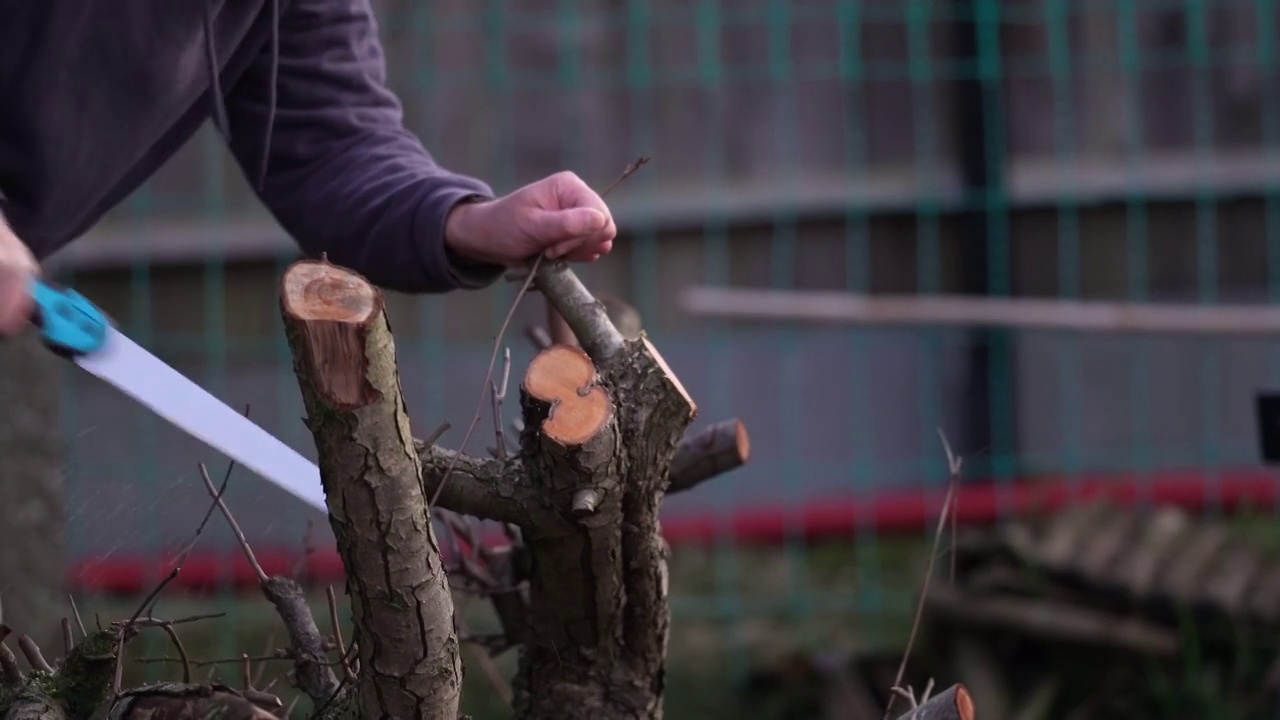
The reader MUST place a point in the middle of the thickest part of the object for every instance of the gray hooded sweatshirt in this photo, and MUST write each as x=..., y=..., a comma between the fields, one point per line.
x=95, y=95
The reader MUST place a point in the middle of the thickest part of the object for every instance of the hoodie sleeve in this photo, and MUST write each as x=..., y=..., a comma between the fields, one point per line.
x=342, y=175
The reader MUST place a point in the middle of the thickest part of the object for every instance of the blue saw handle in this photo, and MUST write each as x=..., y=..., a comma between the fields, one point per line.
x=69, y=323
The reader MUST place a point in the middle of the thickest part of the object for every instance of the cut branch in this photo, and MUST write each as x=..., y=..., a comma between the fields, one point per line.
x=585, y=315
x=490, y=489
x=716, y=450
x=953, y=703
x=344, y=357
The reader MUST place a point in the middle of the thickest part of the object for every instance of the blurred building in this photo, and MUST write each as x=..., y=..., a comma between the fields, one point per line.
x=1097, y=150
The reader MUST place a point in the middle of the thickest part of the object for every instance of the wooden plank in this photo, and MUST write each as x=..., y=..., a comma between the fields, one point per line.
x=832, y=307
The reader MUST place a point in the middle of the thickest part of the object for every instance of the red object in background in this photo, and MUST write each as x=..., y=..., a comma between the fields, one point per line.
x=894, y=511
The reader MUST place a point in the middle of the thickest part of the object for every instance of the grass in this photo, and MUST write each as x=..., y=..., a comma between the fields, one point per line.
x=724, y=622
x=735, y=609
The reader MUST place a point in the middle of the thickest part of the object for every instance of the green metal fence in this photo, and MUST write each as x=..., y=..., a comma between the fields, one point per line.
x=1094, y=149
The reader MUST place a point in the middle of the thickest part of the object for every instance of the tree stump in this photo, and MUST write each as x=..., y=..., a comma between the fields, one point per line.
x=344, y=357
x=603, y=418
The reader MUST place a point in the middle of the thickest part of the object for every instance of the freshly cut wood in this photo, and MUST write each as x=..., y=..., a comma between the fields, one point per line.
x=344, y=358
x=715, y=450
x=333, y=310
x=563, y=378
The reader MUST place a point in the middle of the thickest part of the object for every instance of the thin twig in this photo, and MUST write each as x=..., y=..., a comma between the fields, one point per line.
x=308, y=549
x=156, y=622
x=538, y=336
x=500, y=443
x=182, y=651
x=186, y=552
x=32, y=652
x=439, y=432
x=626, y=173
x=253, y=694
x=76, y=612
x=499, y=394
x=497, y=340
x=68, y=639
x=279, y=655
x=10, y=673
x=235, y=527
x=337, y=633
x=953, y=464
x=271, y=641
x=488, y=376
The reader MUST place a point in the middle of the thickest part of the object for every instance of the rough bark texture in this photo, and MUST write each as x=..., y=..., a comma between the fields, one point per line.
x=32, y=493
x=576, y=592
x=585, y=595
x=310, y=660
x=658, y=412
x=490, y=489
x=599, y=619
x=344, y=357
x=716, y=450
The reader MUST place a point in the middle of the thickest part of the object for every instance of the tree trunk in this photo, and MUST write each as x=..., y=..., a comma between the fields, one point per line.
x=585, y=593
x=344, y=358
x=32, y=493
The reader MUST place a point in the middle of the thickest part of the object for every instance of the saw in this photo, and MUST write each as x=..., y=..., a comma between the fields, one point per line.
x=76, y=329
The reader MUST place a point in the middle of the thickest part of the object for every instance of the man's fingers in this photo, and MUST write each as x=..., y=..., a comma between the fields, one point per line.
x=15, y=304
x=565, y=249
x=573, y=223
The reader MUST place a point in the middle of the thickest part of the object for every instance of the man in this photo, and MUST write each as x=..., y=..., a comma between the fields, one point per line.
x=98, y=95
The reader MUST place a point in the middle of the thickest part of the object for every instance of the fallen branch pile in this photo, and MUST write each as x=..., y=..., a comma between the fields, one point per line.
x=1072, y=612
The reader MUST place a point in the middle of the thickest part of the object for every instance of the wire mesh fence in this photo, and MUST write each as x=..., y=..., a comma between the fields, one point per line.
x=1116, y=150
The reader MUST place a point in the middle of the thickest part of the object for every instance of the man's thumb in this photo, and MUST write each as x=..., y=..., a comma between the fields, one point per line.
x=558, y=225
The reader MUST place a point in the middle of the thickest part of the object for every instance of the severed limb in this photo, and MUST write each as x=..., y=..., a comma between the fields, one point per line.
x=953, y=703
x=487, y=488
x=716, y=450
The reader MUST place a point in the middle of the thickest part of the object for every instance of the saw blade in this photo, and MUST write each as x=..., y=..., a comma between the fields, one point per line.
x=171, y=395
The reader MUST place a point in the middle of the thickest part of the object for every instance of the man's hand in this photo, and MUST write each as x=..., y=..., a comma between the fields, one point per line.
x=558, y=214
x=17, y=267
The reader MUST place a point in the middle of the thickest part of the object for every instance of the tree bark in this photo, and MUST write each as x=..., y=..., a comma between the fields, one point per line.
x=601, y=425
x=344, y=357
x=717, y=449
x=32, y=492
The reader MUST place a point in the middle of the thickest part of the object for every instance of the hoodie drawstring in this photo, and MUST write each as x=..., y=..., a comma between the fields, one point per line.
x=220, y=121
